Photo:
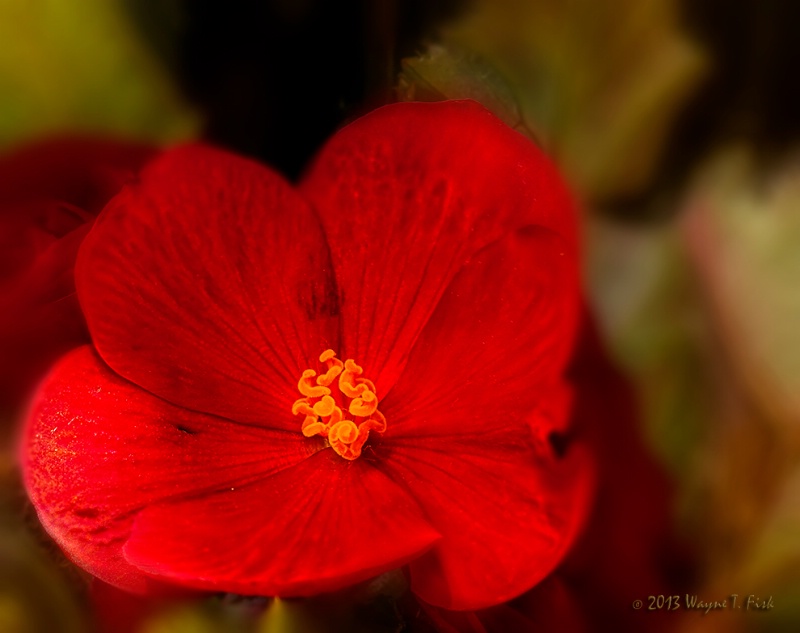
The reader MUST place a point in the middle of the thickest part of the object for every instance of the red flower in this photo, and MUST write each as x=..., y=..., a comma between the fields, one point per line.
x=50, y=193
x=430, y=246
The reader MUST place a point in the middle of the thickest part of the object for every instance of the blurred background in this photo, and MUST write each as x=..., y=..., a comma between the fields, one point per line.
x=677, y=125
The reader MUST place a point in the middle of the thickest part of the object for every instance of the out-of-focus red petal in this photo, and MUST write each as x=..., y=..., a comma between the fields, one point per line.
x=83, y=172
x=628, y=549
x=29, y=227
x=406, y=195
x=97, y=450
x=550, y=606
x=50, y=193
x=470, y=439
x=322, y=525
x=50, y=188
x=40, y=318
x=444, y=621
x=209, y=284
x=117, y=611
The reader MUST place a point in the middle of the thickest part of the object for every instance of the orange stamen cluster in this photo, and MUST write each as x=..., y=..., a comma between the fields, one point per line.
x=324, y=411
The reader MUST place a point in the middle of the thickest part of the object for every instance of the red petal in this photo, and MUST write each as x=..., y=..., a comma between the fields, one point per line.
x=321, y=525
x=50, y=188
x=462, y=439
x=506, y=519
x=97, y=450
x=444, y=621
x=40, y=319
x=29, y=227
x=49, y=194
x=83, y=172
x=629, y=541
x=117, y=611
x=550, y=606
x=553, y=605
x=222, y=318
x=499, y=341
x=406, y=194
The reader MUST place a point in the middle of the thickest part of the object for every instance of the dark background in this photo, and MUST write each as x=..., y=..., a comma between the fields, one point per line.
x=276, y=77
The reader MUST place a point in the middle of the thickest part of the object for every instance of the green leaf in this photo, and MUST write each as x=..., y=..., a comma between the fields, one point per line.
x=188, y=619
x=449, y=72
x=743, y=231
x=82, y=69
x=639, y=284
x=598, y=83
x=288, y=616
x=34, y=596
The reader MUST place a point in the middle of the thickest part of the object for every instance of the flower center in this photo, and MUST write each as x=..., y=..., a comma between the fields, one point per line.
x=324, y=409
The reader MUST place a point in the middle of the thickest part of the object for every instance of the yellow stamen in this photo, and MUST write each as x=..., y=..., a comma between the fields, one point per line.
x=327, y=355
x=347, y=381
x=365, y=405
x=334, y=367
x=308, y=389
x=301, y=406
x=324, y=409
x=311, y=426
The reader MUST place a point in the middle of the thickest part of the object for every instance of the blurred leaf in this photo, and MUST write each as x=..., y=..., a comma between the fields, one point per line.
x=772, y=566
x=786, y=614
x=599, y=83
x=34, y=597
x=186, y=619
x=369, y=607
x=743, y=230
x=12, y=614
x=161, y=25
x=447, y=72
x=83, y=69
x=220, y=614
x=774, y=560
x=288, y=616
x=639, y=285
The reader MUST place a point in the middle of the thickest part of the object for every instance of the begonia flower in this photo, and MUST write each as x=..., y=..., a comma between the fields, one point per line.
x=291, y=390
x=626, y=549
x=50, y=194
